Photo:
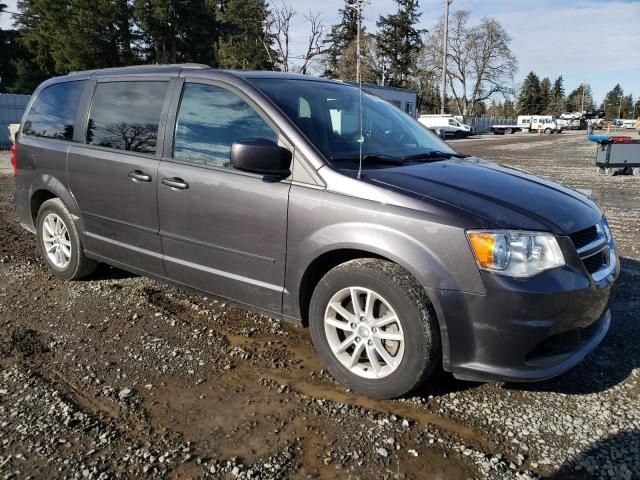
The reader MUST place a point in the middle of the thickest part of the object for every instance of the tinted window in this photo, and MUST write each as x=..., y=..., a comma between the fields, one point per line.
x=210, y=119
x=126, y=115
x=52, y=114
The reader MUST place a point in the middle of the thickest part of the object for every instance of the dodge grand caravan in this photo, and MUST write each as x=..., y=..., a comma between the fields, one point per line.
x=292, y=196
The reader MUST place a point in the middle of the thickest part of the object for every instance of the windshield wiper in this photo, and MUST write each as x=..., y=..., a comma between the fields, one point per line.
x=433, y=154
x=374, y=158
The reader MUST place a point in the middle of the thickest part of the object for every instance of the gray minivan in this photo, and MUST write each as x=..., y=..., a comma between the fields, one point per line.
x=299, y=198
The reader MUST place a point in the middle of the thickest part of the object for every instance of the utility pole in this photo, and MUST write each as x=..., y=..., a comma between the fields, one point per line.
x=443, y=82
x=582, y=107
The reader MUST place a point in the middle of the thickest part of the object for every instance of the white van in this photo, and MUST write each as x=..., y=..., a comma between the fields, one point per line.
x=445, y=124
x=543, y=123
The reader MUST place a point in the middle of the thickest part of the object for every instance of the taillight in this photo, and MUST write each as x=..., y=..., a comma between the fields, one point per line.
x=14, y=159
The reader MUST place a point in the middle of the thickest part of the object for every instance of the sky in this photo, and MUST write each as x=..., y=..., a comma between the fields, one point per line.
x=597, y=41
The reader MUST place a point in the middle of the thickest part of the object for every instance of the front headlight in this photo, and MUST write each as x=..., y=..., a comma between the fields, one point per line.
x=515, y=253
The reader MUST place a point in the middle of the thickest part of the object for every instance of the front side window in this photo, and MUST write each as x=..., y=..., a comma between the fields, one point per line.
x=332, y=122
x=53, y=112
x=126, y=115
x=211, y=119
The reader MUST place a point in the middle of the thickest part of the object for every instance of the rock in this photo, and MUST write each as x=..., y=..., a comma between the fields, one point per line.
x=383, y=452
x=125, y=393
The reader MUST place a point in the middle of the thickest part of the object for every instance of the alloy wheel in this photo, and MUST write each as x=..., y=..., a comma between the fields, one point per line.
x=364, y=332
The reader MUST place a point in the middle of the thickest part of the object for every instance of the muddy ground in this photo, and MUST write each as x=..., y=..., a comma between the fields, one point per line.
x=119, y=376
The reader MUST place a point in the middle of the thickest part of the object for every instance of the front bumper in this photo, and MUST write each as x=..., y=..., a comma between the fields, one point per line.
x=525, y=330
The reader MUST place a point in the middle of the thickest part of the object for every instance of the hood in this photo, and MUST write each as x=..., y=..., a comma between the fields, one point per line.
x=504, y=196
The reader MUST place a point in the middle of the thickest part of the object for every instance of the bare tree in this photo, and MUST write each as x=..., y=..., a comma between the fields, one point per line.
x=278, y=32
x=314, y=41
x=479, y=61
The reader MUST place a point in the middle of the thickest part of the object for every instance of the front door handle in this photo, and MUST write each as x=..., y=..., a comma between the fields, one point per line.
x=138, y=176
x=175, y=182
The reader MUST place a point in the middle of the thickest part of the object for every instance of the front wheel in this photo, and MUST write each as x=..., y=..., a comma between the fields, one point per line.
x=59, y=242
x=548, y=131
x=372, y=325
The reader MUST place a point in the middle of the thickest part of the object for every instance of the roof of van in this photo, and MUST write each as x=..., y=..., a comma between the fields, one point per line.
x=179, y=67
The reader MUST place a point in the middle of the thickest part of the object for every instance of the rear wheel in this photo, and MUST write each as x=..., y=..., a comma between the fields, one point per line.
x=548, y=131
x=372, y=325
x=508, y=131
x=636, y=171
x=610, y=172
x=59, y=242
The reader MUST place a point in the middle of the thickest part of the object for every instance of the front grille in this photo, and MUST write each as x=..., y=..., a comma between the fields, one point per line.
x=597, y=261
x=588, y=240
x=584, y=237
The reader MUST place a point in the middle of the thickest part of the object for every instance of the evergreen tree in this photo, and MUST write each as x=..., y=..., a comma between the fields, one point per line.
x=346, y=66
x=399, y=42
x=558, y=88
x=545, y=95
x=64, y=35
x=580, y=99
x=612, y=102
x=529, y=98
x=340, y=40
x=243, y=43
x=178, y=31
x=556, y=103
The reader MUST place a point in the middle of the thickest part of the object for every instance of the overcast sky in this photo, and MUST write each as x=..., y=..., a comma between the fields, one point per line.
x=584, y=40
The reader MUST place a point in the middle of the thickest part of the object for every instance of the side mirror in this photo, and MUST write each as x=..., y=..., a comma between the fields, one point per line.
x=260, y=155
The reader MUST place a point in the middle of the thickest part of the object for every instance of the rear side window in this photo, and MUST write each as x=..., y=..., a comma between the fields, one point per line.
x=53, y=112
x=126, y=115
x=210, y=119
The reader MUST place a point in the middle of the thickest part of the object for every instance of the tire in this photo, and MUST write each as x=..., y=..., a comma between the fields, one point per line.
x=600, y=170
x=610, y=172
x=548, y=131
x=635, y=171
x=459, y=135
x=508, y=131
x=70, y=262
x=412, y=359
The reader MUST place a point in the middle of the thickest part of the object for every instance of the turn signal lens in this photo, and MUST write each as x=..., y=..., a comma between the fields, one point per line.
x=515, y=253
x=482, y=245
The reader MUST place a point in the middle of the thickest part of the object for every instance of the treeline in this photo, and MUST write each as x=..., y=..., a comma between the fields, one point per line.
x=53, y=37
x=540, y=97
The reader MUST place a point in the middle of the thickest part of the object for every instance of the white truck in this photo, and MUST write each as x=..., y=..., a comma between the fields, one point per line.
x=530, y=123
x=445, y=125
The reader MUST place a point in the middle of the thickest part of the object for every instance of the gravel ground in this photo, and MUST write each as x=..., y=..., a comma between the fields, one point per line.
x=120, y=376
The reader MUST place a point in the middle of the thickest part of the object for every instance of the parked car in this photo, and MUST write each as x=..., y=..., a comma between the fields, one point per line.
x=445, y=125
x=267, y=189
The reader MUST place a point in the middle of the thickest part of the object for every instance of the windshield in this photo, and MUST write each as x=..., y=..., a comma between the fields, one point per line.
x=328, y=114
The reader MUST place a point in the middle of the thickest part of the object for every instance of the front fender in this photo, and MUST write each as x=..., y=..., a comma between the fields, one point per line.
x=386, y=242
